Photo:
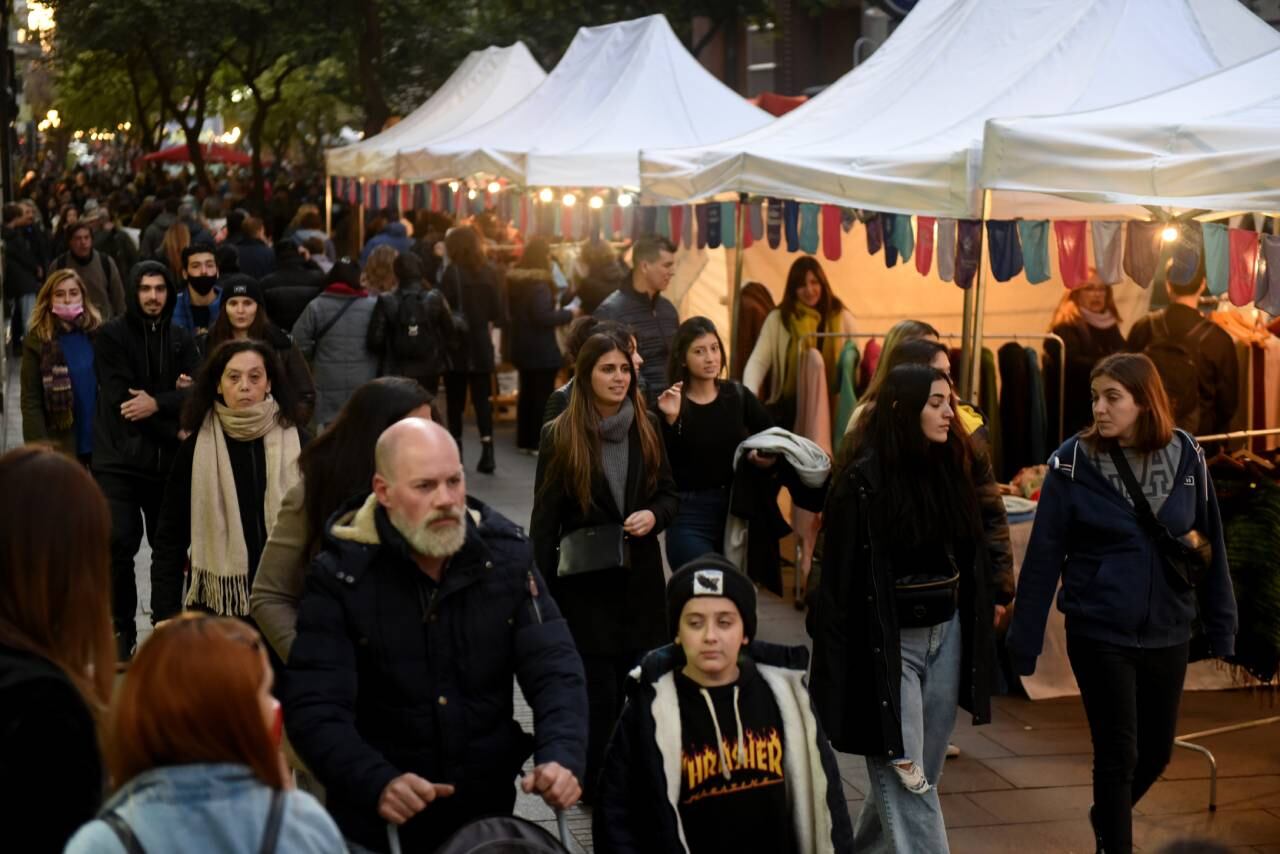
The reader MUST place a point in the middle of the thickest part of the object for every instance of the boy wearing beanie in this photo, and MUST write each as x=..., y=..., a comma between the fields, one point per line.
x=718, y=748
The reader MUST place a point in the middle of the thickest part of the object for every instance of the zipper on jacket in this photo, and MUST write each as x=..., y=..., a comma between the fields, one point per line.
x=884, y=634
x=533, y=597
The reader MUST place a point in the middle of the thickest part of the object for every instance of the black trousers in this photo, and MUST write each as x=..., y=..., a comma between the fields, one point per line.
x=606, y=680
x=535, y=388
x=456, y=386
x=134, y=500
x=1131, y=698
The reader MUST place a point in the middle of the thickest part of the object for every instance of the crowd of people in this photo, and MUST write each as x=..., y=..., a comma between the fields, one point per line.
x=330, y=605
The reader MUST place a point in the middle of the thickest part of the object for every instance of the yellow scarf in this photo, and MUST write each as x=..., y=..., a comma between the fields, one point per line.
x=805, y=322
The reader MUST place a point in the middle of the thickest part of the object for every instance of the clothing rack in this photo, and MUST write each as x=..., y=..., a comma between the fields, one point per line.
x=1188, y=741
x=1016, y=337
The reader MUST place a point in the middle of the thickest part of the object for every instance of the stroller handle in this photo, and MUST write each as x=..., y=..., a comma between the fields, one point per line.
x=562, y=824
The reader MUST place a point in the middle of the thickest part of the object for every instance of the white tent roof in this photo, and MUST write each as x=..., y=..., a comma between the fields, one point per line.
x=618, y=88
x=487, y=83
x=1213, y=143
x=903, y=131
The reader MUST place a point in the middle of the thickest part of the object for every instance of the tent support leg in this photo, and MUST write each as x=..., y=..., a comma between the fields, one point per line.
x=966, y=344
x=328, y=205
x=360, y=221
x=979, y=313
x=737, y=358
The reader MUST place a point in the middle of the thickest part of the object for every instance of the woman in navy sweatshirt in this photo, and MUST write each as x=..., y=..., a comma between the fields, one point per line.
x=1128, y=623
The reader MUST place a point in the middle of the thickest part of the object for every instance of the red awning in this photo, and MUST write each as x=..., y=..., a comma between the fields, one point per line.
x=213, y=153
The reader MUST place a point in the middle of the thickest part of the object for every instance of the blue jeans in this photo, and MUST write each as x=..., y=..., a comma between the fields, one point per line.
x=894, y=819
x=698, y=527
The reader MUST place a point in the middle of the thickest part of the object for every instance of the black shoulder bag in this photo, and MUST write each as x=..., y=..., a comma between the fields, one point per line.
x=928, y=599
x=1187, y=557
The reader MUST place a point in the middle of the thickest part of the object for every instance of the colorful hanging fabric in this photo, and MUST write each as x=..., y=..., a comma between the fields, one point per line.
x=968, y=251
x=889, y=222
x=1108, y=254
x=1142, y=251
x=1033, y=236
x=773, y=224
x=677, y=224
x=832, y=233
x=755, y=220
x=1267, y=292
x=791, y=224
x=729, y=224
x=664, y=222
x=1073, y=261
x=848, y=216
x=1244, y=258
x=875, y=234
x=924, y=247
x=1217, y=257
x=903, y=238
x=1004, y=249
x=946, y=249
x=749, y=212
x=646, y=222
x=1187, y=253
x=406, y=197
x=700, y=214
x=713, y=225
x=375, y=195
x=808, y=228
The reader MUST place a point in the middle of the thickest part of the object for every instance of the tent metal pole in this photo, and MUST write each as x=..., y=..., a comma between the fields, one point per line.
x=979, y=311
x=360, y=220
x=328, y=204
x=966, y=350
x=735, y=296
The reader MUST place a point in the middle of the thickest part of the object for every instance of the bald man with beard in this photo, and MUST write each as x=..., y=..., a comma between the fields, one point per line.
x=429, y=602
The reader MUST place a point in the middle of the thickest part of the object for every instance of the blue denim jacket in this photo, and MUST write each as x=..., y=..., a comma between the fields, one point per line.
x=207, y=807
x=182, y=308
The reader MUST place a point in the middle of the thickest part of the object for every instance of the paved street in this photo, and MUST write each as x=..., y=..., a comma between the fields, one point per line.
x=1022, y=783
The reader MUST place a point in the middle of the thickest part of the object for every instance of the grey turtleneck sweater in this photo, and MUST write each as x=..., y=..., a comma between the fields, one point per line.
x=614, y=453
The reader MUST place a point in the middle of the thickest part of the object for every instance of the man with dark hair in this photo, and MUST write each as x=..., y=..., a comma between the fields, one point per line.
x=144, y=365
x=152, y=243
x=639, y=304
x=102, y=282
x=293, y=284
x=197, y=305
x=23, y=266
x=256, y=257
x=1194, y=357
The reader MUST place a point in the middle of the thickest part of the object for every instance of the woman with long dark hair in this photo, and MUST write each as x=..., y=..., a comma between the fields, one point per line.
x=808, y=307
x=704, y=417
x=244, y=318
x=1114, y=497
x=335, y=466
x=231, y=474
x=57, y=653
x=194, y=749
x=602, y=494
x=534, y=351
x=59, y=387
x=1088, y=322
x=471, y=287
x=905, y=609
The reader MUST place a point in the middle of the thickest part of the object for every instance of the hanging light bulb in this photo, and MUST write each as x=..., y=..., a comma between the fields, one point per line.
x=453, y=186
x=471, y=194
x=624, y=200
x=546, y=195
x=1169, y=234
x=494, y=187
x=569, y=200
x=596, y=203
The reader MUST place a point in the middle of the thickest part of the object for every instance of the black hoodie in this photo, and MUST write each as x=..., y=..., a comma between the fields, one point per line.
x=148, y=354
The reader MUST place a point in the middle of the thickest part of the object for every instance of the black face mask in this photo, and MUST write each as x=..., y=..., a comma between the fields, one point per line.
x=202, y=284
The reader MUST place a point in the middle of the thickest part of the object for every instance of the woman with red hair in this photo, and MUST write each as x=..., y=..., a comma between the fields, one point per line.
x=194, y=747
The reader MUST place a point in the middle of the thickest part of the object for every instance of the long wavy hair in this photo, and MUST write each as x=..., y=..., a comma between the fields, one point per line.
x=338, y=464
x=678, y=365
x=927, y=491
x=898, y=334
x=575, y=433
x=828, y=303
x=204, y=393
x=1068, y=311
x=222, y=330
x=44, y=322
x=177, y=238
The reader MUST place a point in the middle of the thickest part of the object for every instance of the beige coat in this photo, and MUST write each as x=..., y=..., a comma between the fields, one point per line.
x=772, y=354
x=282, y=571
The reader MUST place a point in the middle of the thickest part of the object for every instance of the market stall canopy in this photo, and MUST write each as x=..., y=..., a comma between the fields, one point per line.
x=619, y=88
x=487, y=84
x=903, y=131
x=211, y=151
x=1213, y=144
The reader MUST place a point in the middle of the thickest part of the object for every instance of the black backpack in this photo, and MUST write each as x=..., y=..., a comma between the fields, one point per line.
x=1177, y=360
x=412, y=338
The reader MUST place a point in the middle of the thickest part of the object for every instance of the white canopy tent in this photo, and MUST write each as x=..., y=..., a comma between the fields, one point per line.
x=1211, y=144
x=487, y=84
x=903, y=132
x=619, y=88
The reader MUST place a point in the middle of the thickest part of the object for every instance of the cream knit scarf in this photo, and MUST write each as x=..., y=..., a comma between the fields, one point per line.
x=219, y=556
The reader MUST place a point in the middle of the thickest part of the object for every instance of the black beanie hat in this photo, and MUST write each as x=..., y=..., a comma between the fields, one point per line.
x=241, y=285
x=711, y=575
x=346, y=272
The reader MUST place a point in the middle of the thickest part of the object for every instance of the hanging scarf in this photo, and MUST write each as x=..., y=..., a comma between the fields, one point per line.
x=803, y=323
x=1098, y=319
x=55, y=376
x=615, y=452
x=219, y=556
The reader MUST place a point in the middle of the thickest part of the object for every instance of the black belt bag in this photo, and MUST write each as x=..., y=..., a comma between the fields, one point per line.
x=928, y=599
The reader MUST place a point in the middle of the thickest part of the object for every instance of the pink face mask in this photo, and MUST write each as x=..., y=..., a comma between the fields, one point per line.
x=67, y=312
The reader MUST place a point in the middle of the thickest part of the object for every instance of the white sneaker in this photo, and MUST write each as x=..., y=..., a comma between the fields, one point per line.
x=952, y=751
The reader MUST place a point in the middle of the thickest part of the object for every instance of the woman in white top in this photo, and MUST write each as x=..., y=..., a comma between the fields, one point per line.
x=808, y=307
